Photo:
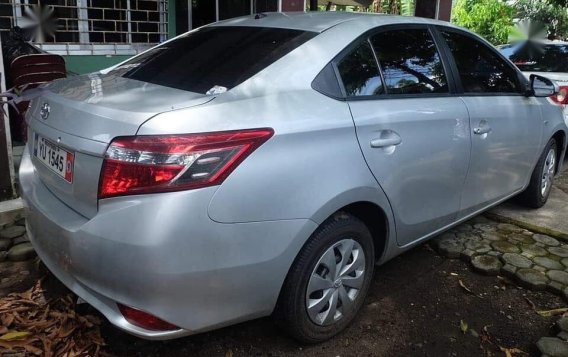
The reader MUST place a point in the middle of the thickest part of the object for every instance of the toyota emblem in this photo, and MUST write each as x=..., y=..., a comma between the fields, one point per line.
x=44, y=111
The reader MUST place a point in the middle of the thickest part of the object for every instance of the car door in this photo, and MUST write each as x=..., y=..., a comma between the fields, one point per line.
x=413, y=132
x=506, y=125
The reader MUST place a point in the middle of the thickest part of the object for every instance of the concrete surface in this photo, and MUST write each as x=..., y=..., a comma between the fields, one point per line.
x=10, y=211
x=552, y=219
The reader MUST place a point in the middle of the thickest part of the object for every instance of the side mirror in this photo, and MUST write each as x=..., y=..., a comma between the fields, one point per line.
x=543, y=87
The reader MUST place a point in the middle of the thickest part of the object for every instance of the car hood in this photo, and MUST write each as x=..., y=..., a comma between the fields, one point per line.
x=101, y=106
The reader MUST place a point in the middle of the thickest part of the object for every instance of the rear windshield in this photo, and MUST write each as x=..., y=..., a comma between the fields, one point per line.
x=538, y=57
x=213, y=59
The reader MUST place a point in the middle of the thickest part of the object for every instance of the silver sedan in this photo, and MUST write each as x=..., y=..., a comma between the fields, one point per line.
x=266, y=164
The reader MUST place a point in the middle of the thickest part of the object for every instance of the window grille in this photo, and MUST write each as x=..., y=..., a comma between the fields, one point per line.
x=139, y=23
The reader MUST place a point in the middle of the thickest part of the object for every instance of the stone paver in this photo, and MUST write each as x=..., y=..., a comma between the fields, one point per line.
x=541, y=238
x=505, y=247
x=5, y=243
x=12, y=232
x=509, y=228
x=559, y=251
x=533, y=250
x=491, y=236
x=548, y=263
x=533, y=279
x=487, y=264
x=21, y=252
x=516, y=260
x=536, y=261
x=553, y=347
x=559, y=276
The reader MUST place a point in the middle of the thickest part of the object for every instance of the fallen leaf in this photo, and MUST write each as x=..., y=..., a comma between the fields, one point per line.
x=15, y=335
x=465, y=287
x=463, y=326
x=509, y=352
x=229, y=353
x=553, y=312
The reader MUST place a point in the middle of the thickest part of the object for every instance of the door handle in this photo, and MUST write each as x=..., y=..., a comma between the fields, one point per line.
x=391, y=139
x=482, y=128
x=481, y=131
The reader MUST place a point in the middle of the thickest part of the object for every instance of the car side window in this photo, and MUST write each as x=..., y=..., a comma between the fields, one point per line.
x=410, y=62
x=480, y=69
x=360, y=73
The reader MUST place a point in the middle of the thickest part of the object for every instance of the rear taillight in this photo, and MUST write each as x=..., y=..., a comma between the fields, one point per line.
x=162, y=163
x=562, y=96
x=145, y=320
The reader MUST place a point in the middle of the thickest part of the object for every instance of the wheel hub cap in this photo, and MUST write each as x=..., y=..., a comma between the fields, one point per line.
x=548, y=171
x=335, y=282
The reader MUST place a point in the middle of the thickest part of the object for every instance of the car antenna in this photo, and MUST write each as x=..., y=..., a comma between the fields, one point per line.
x=259, y=15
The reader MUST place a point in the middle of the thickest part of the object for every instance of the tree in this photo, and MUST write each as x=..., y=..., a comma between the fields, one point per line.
x=394, y=7
x=561, y=3
x=492, y=19
x=547, y=16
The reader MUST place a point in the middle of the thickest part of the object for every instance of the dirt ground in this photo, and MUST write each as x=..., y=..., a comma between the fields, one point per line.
x=414, y=309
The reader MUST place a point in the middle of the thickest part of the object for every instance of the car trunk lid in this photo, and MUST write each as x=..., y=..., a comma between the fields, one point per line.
x=71, y=123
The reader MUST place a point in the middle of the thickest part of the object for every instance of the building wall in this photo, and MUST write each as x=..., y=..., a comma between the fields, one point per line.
x=88, y=64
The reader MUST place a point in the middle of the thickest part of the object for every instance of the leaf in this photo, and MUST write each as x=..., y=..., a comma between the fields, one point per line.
x=229, y=353
x=463, y=326
x=15, y=335
x=465, y=287
x=509, y=352
x=553, y=312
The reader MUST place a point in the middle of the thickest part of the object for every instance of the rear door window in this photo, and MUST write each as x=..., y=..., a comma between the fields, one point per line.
x=410, y=62
x=213, y=59
x=360, y=73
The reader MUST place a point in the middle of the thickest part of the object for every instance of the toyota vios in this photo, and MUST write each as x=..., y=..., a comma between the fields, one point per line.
x=266, y=164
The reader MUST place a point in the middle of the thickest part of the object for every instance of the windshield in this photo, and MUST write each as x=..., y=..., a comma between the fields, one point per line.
x=538, y=57
x=213, y=60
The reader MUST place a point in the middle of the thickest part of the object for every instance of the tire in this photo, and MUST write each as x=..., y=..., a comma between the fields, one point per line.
x=536, y=194
x=332, y=240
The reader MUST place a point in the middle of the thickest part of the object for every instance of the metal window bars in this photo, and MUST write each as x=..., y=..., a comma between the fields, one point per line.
x=90, y=25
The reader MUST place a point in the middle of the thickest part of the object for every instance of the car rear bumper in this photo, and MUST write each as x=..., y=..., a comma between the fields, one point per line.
x=162, y=254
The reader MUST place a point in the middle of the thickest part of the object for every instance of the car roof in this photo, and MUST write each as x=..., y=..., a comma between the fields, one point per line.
x=319, y=21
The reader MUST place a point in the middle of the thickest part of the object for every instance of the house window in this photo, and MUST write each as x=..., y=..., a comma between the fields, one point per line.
x=90, y=21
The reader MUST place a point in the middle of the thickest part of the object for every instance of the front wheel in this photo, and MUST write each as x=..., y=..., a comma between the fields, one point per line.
x=537, y=193
x=328, y=281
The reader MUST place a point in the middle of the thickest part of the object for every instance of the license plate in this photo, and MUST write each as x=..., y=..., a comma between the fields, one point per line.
x=54, y=157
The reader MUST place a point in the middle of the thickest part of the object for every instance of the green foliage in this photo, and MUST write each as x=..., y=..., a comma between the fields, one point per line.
x=407, y=7
x=492, y=19
x=561, y=3
x=550, y=16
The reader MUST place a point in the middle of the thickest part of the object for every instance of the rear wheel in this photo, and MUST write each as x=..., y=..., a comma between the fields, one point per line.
x=328, y=281
x=537, y=193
